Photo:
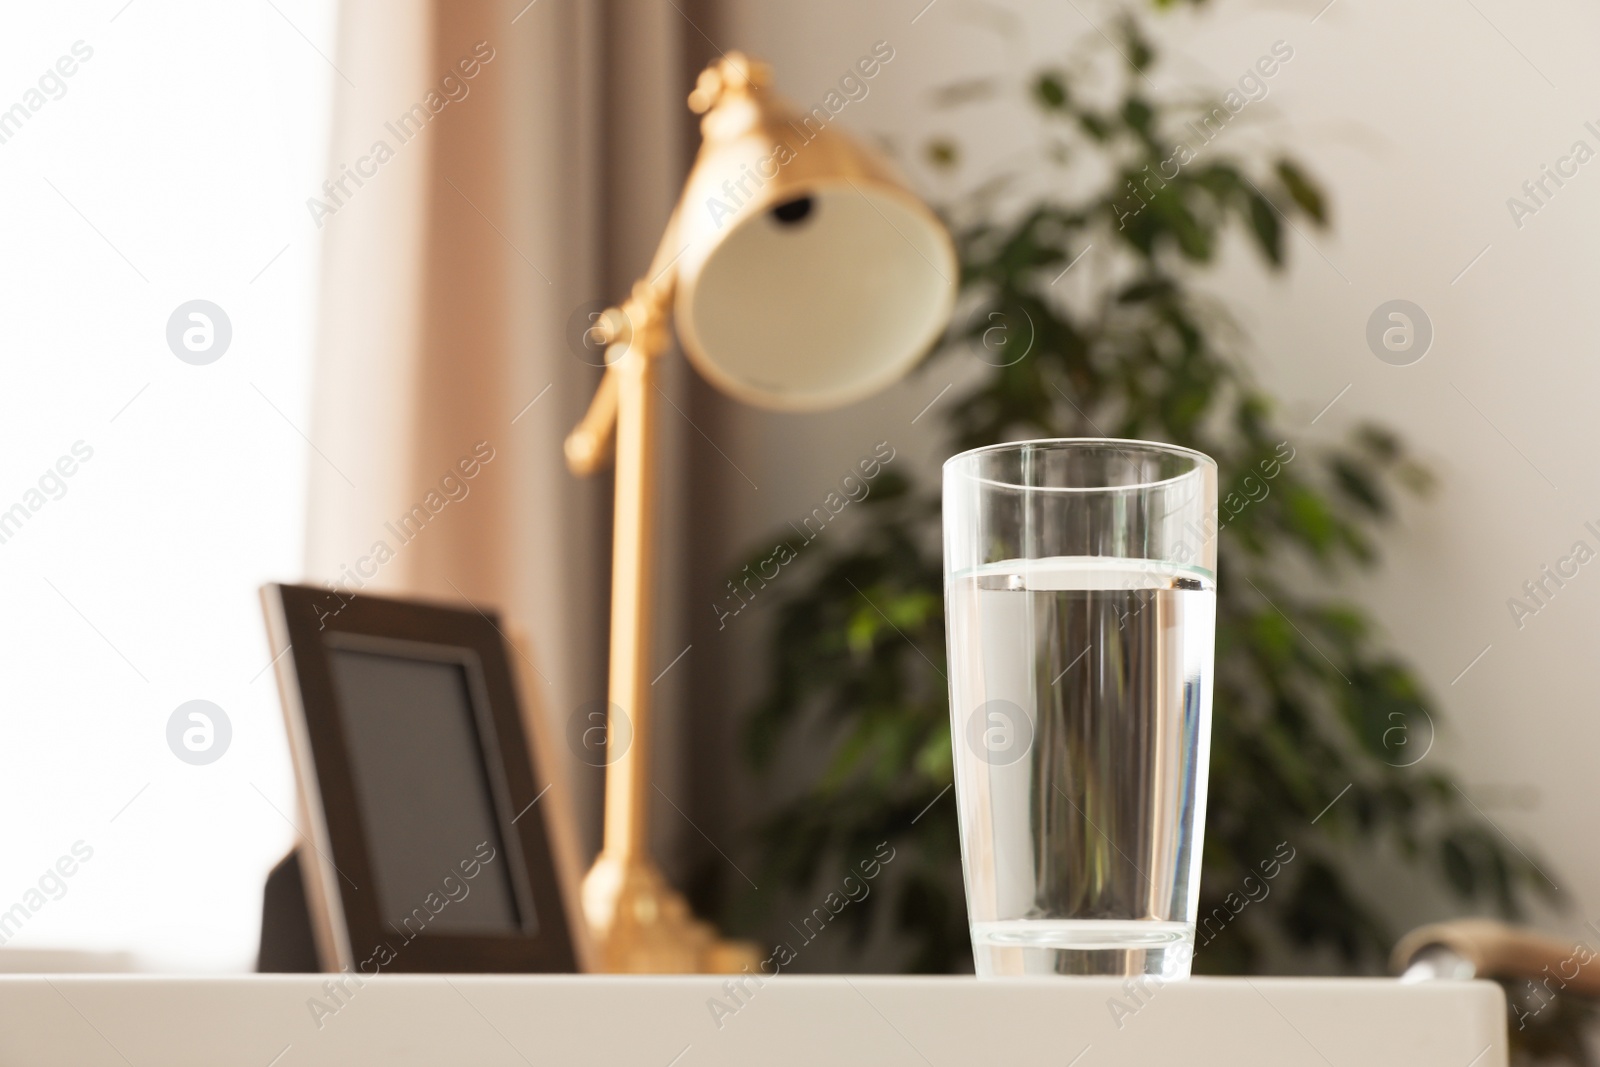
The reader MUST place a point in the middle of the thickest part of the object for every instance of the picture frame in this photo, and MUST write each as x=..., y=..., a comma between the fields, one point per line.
x=415, y=737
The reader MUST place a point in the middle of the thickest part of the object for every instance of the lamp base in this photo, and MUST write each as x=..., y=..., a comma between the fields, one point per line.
x=641, y=925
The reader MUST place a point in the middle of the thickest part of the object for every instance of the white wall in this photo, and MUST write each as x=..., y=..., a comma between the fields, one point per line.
x=1421, y=119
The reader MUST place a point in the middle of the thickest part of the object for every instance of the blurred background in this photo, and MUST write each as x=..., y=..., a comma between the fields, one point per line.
x=184, y=158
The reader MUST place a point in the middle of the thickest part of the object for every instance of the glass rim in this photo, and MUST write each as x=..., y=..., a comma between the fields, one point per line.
x=1160, y=447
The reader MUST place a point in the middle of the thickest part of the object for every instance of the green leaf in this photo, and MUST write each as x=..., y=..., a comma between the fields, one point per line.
x=1138, y=115
x=1264, y=224
x=1095, y=126
x=863, y=631
x=943, y=153
x=1051, y=92
x=963, y=92
x=1303, y=190
x=1311, y=518
x=1148, y=289
x=1138, y=51
x=1360, y=484
x=1457, y=866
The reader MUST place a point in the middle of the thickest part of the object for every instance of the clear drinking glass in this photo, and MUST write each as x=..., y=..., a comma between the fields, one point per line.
x=1080, y=596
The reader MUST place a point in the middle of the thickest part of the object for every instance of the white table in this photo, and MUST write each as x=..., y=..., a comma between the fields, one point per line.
x=398, y=1021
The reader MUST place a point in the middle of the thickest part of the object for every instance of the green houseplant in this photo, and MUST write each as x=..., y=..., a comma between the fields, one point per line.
x=1318, y=728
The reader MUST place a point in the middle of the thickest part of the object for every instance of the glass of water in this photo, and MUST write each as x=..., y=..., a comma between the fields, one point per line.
x=1080, y=597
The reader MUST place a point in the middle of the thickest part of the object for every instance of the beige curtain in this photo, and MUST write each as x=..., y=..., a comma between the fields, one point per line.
x=496, y=166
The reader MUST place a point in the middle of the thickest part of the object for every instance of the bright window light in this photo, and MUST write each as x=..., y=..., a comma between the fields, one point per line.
x=153, y=154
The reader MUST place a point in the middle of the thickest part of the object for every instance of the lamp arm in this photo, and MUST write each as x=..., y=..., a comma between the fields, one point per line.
x=589, y=447
x=641, y=320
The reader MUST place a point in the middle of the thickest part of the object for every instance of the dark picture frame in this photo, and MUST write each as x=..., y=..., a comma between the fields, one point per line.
x=309, y=627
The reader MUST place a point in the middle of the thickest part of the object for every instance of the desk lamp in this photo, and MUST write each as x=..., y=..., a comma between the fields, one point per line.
x=803, y=275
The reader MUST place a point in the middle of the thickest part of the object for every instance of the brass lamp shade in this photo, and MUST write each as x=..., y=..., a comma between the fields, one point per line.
x=803, y=275
x=810, y=277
